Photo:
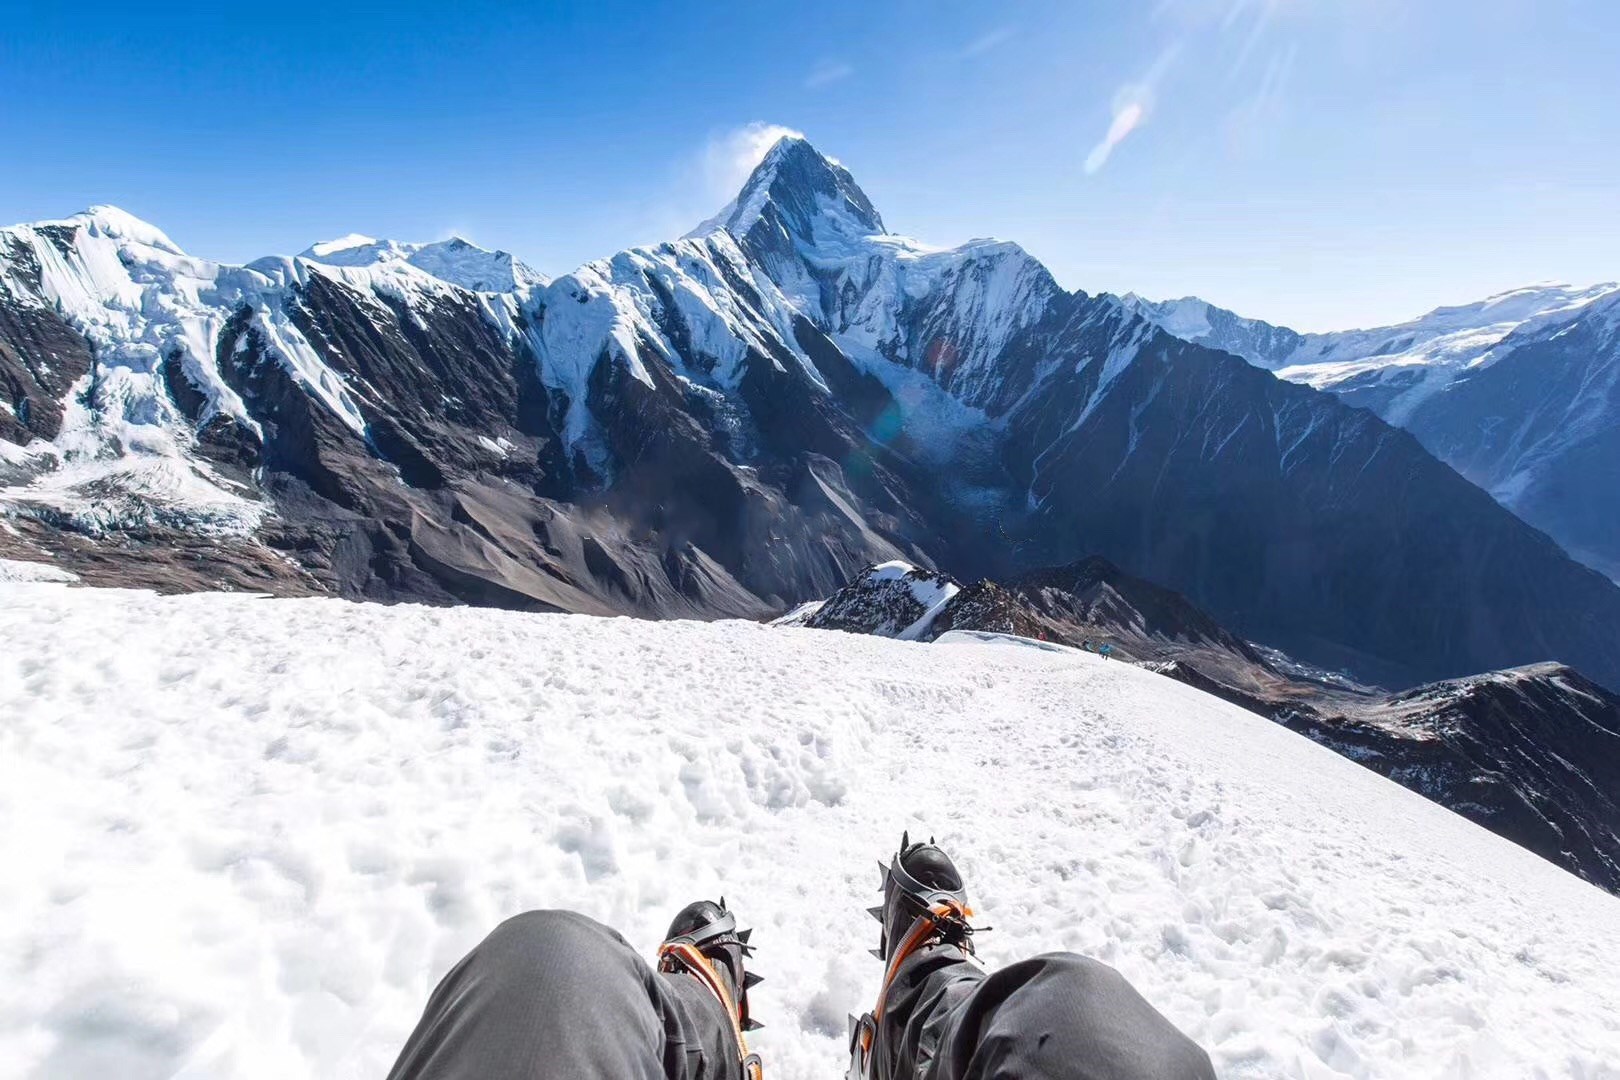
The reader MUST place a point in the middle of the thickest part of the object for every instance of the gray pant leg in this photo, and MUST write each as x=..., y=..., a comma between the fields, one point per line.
x=553, y=994
x=1055, y=1017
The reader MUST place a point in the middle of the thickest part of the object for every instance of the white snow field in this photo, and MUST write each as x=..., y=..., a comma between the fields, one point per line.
x=243, y=837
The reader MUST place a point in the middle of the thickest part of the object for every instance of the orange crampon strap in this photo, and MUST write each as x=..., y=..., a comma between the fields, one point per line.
x=921, y=930
x=672, y=955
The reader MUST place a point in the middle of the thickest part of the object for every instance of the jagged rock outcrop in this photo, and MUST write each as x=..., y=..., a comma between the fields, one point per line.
x=893, y=599
x=1093, y=592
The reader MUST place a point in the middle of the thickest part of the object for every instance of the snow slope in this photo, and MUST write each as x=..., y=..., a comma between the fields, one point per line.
x=244, y=837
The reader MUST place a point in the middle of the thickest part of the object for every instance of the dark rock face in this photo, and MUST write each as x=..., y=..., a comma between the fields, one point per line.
x=1540, y=429
x=1299, y=522
x=1094, y=593
x=680, y=531
x=435, y=378
x=1520, y=393
x=41, y=357
x=990, y=608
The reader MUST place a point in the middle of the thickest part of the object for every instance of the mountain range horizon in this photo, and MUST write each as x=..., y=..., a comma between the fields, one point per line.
x=821, y=393
x=452, y=236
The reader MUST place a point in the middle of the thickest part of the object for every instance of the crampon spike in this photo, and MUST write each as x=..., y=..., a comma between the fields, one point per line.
x=744, y=935
x=876, y=952
x=876, y=912
x=751, y=980
x=751, y=1024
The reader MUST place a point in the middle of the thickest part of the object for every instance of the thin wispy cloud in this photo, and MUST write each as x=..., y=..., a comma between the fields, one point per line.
x=826, y=73
x=704, y=179
x=729, y=156
x=1259, y=13
x=991, y=39
x=1252, y=119
x=1131, y=108
x=1202, y=14
x=1229, y=32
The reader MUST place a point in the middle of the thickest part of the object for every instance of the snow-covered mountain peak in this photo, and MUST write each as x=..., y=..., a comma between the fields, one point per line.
x=799, y=190
x=896, y=306
x=112, y=222
x=464, y=263
x=346, y=250
x=456, y=261
x=1187, y=317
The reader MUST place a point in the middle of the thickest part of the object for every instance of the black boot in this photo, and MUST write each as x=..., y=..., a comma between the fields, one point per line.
x=703, y=941
x=921, y=882
x=924, y=916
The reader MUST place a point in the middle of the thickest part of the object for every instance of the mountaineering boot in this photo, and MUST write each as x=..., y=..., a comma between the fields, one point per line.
x=918, y=879
x=703, y=941
x=924, y=906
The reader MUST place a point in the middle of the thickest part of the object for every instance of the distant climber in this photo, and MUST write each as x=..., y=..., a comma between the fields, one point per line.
x=1105, y=650
x=553, y=995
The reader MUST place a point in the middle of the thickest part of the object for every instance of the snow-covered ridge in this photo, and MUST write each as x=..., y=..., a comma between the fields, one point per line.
x=1417, y=358
x=125, y=454
x=140, y=301
x=132, y=291
x=1462, y=332
x=268, y=881
x=1480, y=385
x=456, y=261
x=1441, y=344
x=646, y=298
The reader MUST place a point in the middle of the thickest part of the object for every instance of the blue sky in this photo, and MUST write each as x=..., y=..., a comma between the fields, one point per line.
x=1321, y=163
